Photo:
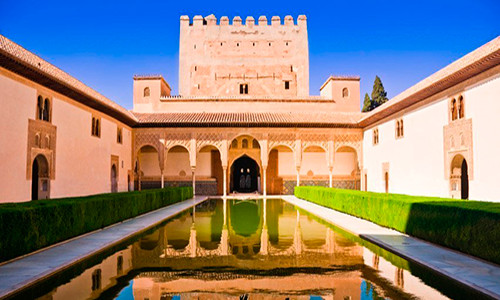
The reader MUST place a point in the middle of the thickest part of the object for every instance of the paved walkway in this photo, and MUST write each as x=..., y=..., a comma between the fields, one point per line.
x=472, y=272
x=35, y=267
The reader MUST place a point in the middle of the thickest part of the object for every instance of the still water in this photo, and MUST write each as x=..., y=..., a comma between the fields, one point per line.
x=251, y=249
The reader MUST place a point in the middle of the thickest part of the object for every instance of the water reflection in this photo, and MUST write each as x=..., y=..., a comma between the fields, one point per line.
x=258, y=248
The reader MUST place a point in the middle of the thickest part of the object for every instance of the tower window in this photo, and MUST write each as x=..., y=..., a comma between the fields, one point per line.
x=147, y=92
x=345, y=93
x=244, y=89
x=287, y=85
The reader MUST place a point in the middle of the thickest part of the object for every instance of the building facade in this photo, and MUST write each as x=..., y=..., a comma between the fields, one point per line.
x=244, y=122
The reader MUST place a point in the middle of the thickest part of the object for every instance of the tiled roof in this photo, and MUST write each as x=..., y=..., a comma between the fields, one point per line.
x=477, y=61
x=20, y=60
x=248, y=119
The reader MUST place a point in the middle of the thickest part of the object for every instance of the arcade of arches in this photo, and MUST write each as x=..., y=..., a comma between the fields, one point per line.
x=264, y=161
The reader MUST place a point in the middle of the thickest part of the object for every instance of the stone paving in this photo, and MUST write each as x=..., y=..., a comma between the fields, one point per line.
x=32, y=268
x=470, y=271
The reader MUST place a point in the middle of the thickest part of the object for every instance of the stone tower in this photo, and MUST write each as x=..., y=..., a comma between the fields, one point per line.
x=255, y=59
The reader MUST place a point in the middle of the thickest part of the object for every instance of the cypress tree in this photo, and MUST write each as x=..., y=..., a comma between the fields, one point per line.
x=379, y=95
x=367, y=104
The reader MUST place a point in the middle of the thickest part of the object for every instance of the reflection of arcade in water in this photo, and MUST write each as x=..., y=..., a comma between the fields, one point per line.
x=251, y=234
x=228, y=248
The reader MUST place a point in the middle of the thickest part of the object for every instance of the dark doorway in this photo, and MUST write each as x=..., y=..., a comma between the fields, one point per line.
x=386, y=182
x=245, y=175
x=40, y=181
x=34, y=181
x=464, y=180
x=114, y=182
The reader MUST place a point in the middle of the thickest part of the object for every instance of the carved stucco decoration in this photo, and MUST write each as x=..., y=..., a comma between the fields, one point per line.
x=458, y=141
x=152, y=139
x=209, y=139
x=41, y=140
x=281, y=139
x=319, y=140
x=178, y=139
x=351, y=140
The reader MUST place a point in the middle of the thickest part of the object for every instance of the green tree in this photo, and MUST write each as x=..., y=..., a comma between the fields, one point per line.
x=379, y=95
x=367, y=104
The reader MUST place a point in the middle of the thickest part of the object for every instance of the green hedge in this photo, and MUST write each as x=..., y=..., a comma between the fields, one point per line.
x=471, y=227
x=29, y=226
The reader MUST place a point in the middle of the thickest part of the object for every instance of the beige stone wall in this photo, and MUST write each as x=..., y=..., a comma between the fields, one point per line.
x=214, y=59
x=81, y=162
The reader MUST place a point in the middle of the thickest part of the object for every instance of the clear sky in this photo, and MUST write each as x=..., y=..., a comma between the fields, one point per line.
x=104, y=43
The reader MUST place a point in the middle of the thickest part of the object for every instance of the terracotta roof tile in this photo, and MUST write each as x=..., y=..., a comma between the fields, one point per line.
x=29, y=59
x=248, y=119
x=475, y=62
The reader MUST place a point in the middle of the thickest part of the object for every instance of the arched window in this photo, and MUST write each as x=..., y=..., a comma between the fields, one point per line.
x=39, y=108
x=255, y=144
x=345, y=93
x=37, y=140
x=46, y=110
x=453, y=110
x=147, y=92
x=244, y=143
x=47, y=142
x=375, y=136
x=234, y=144
x=461, y=107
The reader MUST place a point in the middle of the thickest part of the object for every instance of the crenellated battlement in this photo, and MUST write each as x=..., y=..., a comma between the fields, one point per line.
x=211, y=20
x=264, y=56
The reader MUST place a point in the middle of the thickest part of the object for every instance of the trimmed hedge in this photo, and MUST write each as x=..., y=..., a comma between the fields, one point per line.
x=29, y=226
x=472, y=227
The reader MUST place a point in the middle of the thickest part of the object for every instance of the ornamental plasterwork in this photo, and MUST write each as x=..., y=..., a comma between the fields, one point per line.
x=209, y=139
x=458, y=141
x=41, y=140
x=351, y=140
x=282, y=139
x=320, y=140
x=178, y=139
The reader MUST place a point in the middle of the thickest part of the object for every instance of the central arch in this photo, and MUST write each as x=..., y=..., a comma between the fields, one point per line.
x=245, y=175
x=40, y=181
x=459, y=179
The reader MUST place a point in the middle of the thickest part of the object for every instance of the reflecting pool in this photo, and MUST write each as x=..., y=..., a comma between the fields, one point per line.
x=246, y=249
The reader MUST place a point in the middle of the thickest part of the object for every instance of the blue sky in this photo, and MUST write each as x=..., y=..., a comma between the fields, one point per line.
x=104, y=43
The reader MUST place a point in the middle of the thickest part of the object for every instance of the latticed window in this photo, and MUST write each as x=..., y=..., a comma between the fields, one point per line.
x=244, y=143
